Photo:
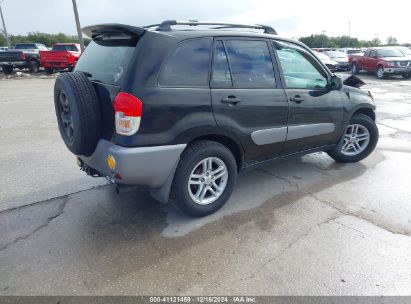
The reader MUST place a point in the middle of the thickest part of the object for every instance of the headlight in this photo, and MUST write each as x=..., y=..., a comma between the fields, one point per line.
x=391, y=63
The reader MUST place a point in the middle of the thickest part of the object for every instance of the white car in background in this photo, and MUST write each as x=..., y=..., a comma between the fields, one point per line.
x=351, y=51
x=331, y=64
x=3, y=48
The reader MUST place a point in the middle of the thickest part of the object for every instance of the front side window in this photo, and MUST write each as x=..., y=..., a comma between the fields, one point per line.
x=301, y=70
x=188, y=64
x=250, y=63
x=373, y=54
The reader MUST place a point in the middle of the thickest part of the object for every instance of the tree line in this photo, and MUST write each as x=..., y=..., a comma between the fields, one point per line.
x=38, y=37
x=318, y=41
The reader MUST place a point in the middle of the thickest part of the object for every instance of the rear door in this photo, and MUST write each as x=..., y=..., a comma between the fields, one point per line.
x=246, y=96
x=316, y=112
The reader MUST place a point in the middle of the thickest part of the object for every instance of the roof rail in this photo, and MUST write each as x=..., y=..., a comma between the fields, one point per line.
x=166, y=25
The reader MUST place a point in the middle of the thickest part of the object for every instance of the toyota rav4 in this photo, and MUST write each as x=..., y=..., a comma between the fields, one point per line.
x=182, y=110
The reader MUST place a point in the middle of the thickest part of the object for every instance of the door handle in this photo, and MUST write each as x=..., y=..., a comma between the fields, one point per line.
x=297, y=99
x=231, y=99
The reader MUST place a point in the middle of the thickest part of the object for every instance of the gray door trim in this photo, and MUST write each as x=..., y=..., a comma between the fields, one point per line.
x=269, y=136
x=302, y=131
x=276, y=135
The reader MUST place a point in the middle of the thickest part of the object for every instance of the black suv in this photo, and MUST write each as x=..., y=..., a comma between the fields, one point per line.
x=182, y=111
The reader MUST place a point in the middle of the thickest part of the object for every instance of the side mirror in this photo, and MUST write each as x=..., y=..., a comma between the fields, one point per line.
x=336, y=83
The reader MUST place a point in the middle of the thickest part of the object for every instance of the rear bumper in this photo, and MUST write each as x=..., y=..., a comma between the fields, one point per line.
x=146, y=166
x=397, y=70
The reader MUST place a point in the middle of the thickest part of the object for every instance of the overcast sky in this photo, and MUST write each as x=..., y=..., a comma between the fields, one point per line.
x=290, y=18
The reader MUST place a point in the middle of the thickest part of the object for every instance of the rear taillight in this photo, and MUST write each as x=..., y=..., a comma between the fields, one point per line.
x=128, y=110
x=23, y=56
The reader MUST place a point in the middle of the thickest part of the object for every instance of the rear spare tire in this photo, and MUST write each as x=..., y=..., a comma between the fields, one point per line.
x=78, y=112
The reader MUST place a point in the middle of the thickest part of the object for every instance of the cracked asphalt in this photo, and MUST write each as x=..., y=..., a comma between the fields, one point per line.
x=305, y=226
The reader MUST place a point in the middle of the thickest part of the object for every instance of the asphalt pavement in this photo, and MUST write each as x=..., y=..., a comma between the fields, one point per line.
x=305, y=226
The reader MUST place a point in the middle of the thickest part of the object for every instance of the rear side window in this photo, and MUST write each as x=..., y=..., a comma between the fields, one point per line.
x=188, y=64
x=250, y=63
x=63, y=47
x=221, y=71
x=25, y=46
x=105, y=63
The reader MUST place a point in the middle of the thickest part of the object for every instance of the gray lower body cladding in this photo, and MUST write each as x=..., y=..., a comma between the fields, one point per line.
x=145, y=166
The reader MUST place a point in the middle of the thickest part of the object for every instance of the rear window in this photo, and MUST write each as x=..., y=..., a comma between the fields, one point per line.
x=188, y=64
x=25, y=46
x=68, y=48
x=105, y=63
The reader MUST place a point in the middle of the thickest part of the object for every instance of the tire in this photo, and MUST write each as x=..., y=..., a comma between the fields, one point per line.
x=406, y=76
x=354, y=69
x=33, y=66
x=182, y=192
x=379, y=73
x=7, y=69
x=78, y=113
x=49, y=71
x=366, y=122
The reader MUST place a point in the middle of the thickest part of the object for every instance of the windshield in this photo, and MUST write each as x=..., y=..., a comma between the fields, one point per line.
x=405, y=50
x=390, y=53
x=25, y=46
x=336, y=54
x=105, y=63
x=350, y=52
x=65, y=47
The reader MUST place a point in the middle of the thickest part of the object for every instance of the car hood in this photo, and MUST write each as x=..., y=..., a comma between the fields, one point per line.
x=340, y=60
x=396, y=58
x=329, y=61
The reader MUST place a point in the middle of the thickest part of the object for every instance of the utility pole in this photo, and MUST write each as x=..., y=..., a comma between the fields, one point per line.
x=4, y=26
x=80, y=35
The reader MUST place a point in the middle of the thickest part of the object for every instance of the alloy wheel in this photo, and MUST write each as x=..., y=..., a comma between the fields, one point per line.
x=356, y=140
x=208, y=180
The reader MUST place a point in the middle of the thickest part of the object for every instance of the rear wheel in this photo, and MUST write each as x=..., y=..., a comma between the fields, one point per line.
x=359, y=140
x=7, y=69
x=406, y=75
x=354, y=69
x=49, y=70
x=204, y=178
x=33, y=66
x=379, y=73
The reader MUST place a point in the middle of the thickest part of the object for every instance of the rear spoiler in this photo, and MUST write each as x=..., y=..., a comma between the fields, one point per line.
x=114, y=33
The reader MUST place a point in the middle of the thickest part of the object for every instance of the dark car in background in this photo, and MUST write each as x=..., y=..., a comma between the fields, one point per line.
x=341, y=59
x=22, y=56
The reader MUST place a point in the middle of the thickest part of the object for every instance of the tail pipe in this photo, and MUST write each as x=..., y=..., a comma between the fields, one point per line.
x=121, y=188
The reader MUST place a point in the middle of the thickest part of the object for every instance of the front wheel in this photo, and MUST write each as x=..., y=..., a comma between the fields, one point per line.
x=359, y=140
x=406, y=75
x=204, y=178
x=379, y=73
x=354, y=69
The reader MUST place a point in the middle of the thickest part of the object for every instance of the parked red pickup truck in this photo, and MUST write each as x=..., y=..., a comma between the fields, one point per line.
x=382, y=61
x=62, y=56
